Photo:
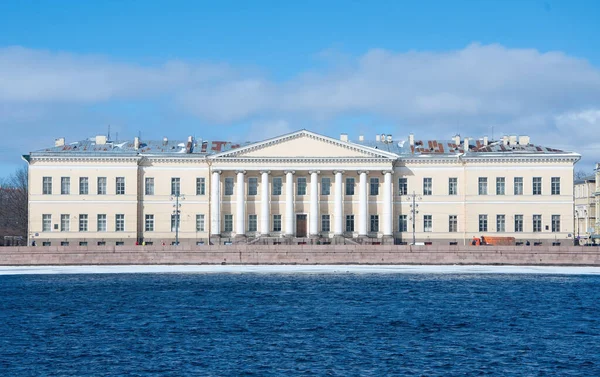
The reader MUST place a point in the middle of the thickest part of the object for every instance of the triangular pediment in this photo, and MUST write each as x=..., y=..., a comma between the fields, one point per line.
x=305, y=144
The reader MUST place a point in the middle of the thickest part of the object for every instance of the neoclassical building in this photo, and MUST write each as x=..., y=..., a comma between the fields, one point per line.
x=299, y=187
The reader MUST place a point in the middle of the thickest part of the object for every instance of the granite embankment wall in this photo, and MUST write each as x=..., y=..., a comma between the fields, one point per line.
x=301, y=254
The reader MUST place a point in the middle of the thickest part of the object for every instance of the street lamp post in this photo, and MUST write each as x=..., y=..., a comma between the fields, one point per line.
x=177, y=212
x=412, y=199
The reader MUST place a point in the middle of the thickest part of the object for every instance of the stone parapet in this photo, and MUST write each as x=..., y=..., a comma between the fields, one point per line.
x=302, y=254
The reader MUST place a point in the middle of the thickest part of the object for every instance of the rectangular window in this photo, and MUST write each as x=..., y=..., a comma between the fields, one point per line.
x=252, y=223
x=46, y=223
x=65, y=185
x=83, y=186
x=276, y=223
x=402, y=223
x=500, y=223
x=175, y=186
x=325, y=223
x=483, y=186
x=149, y=186
x=200, y=222
x=229, y=223
x=402, y=186
x=349, y=223
x=325, y=186
x=301, y=186
x=555, y=186
x=427, y=186
x=537, y=223
x=149, y=224
x=101, y=186
x=374, y=186
x=47, y=185
x=537, y=185
x=452, y=186
x=64, y=223
x=452, y=223
x=500, y=185
x=518, y=182
x=277, y=185
x=83, y=223
x=229, y=186
x=555, y=223
x=119, y=222
x=427, y=223
x=374, y=223
x=175, y=219
x=483, y=223
x=349, y=186
x=101, y=223
x=518, y=223
x=252, y=186
x=200, y=186
x=120, y=184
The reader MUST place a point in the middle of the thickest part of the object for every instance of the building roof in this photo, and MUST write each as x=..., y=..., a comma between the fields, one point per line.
x=200, y=147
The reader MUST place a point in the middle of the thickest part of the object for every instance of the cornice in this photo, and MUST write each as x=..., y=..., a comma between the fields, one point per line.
x=315, y=160
x=85, y=159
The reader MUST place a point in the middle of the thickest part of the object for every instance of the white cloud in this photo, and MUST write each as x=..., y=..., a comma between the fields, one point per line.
x=552, y=96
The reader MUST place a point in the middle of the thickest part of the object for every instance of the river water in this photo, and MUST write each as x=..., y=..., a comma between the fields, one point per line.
x=299, y=325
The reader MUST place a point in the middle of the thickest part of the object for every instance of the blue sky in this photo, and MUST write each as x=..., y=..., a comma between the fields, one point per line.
x=248, y=70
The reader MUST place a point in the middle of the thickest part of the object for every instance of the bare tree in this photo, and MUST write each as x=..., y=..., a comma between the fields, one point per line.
x=13, y=204
x=581, y=174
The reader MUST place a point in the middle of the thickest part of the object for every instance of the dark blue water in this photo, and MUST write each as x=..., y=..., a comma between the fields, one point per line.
x=281, y=325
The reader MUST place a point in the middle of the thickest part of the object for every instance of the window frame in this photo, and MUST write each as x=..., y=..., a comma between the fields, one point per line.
x=46, y=220
x=252, y=186
x=276, y=186
x=175, y=186
x=349, y=223
x=200, y=222
x=277, y=222
x=482, y=186
x=427, y=186
x=325, y=186
x=402, y=186
x=46, y=185
x=536, y=222
x=149, y=186
x=83, y=222
x=452, y=186
x=120, y=186
x=555, y=186
x=65, y=222
x=500, y=186
x=349, y=190
x=452, y=223
x=500, y=220
x=65, y=185
x=518, y=186
x=149, y=222
x=402, y=223
x=427, y=223
x=228, y=222
x=84, y=186
x=483, y=223
x=119, y=222
x=101, y=218
x=101, y=183
x=374, y=223
x=536, y=186
x=200, y=186
x=253, y=223
x=301, y=183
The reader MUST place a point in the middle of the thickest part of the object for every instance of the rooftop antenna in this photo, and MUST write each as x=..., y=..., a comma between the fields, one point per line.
x=108, y=136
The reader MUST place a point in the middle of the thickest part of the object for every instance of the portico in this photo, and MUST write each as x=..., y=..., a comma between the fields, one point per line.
x=303, y=196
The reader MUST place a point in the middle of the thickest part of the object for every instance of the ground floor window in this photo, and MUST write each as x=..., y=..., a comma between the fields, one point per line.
x=325, y=223
x=427, y=223
x=453, y=223
x=200, y=223
x=149, y=225
x=402, y=223
x=374, y=223
x=252, y=223
x=500, y=223
x=483, y=223
x=349, y=223
x=276, y=223
x=229, y=223
x=555, y=223
x=518, y=223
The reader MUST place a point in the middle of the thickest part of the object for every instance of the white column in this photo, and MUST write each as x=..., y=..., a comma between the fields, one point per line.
x=215, y=203
x=240, y=205
x=289, y=202
x=362, y=204
x=338, y=215
x=387, y=203
x=314, y=203
x=265, y=213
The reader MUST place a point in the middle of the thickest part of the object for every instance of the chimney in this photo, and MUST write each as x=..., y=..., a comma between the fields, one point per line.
x=466, y=145
x=165, y=140
x=524, y=140
x=101, y=139
x=189, y=145
x=59, y=142
x=344, y=137
x=512, y=140
x=505, y=140
x=411, y=139
x=486, y=141
x=136, y=142
x=361, y=138
x=457, y=140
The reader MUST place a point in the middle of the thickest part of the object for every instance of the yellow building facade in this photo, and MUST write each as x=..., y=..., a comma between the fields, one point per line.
x=299, y=187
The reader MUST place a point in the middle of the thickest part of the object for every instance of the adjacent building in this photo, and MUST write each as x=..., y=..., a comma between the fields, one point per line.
x=585, y=207
x=301, y=185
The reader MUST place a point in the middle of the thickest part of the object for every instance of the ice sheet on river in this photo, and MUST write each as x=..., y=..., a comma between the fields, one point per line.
x=312, y=269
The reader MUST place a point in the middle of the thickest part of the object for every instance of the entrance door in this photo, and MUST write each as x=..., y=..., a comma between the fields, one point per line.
x=301, y=225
